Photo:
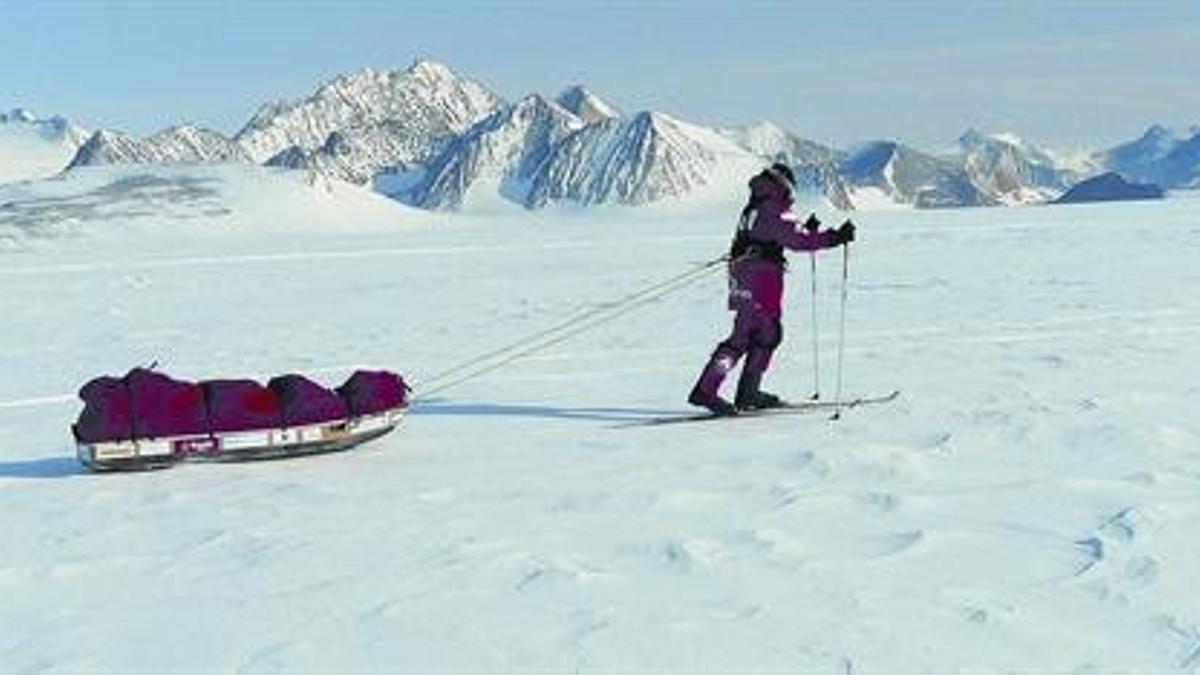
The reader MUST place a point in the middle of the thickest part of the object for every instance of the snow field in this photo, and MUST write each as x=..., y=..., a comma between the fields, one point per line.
x=1030, y=503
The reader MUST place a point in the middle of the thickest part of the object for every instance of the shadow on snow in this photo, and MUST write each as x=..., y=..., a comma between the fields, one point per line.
x=602, y=414
x=67, y=466
x=46, y=467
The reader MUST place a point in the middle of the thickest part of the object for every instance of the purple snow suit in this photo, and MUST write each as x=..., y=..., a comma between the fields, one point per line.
x=756, y=282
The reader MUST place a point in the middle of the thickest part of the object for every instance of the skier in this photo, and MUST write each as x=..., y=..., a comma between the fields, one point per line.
x=756, y=266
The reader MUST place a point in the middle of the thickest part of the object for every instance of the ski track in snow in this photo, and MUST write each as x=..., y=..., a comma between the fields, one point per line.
x=1029, y=503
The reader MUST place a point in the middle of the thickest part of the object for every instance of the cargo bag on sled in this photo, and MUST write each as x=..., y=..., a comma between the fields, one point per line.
x=149, y=420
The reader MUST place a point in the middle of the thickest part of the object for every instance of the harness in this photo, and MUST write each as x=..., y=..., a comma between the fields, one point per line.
x=745, y=246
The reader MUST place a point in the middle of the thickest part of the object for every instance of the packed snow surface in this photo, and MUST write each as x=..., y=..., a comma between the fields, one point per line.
x=1031, y=502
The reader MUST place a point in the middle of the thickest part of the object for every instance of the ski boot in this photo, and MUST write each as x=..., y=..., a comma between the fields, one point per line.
x=750, y=397
x=714, y=403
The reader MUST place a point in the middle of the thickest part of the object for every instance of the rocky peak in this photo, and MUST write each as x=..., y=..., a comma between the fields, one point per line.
x=586, y=105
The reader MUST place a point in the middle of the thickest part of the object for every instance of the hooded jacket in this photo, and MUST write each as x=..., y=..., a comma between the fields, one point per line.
x=756, y=275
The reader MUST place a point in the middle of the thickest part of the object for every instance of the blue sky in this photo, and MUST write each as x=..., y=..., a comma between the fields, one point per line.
x=1064, y=72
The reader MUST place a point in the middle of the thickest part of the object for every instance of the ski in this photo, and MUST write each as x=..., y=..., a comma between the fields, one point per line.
x=787, y=408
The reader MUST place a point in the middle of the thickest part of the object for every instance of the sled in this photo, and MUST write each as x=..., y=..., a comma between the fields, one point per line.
x=161, y=453
x=148, y=420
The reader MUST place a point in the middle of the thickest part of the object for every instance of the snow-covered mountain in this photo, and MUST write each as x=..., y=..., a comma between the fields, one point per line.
x=586, y=105
x=55, y=128
x=773, y=142
x=430, y=137
x=1160, y=156
x=883, y=172
x=1156, y=143
x=185, y=144
x=504, y=154
x=358, y=154
x=32, y=147
x=635, y=160
x=130, y=202
x=815, y=165
x=404, y=111
x=1011, y=171
x=1109, y=187
x=1181, y=167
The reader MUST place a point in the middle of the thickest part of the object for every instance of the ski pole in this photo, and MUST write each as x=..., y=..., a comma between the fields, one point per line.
x=812, y=259
x=837, y=413
x=811, y=225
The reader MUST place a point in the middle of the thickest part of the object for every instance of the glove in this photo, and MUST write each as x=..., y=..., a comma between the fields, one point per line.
x=845, y=233
x=812, y=223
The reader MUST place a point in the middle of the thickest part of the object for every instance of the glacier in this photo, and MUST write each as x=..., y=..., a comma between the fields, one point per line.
x=1029, y=503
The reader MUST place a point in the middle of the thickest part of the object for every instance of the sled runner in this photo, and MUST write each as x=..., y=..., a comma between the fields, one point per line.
x=159, y=453
x=147, y=420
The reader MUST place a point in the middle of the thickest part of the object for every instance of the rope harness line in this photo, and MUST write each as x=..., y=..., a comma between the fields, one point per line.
x=581, y=322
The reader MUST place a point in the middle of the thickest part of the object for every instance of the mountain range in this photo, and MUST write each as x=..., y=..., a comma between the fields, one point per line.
x=1161, y=156
x=32, y=147
x=435, y=139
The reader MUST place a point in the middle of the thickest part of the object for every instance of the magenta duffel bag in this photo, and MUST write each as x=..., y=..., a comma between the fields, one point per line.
x=164, y=406
x=303, y=401
x=143, y=404
x=241, y=405
x=367, y=392
x=107, y=411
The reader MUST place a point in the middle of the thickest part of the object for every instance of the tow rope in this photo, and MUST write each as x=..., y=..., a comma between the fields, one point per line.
x=586, y=320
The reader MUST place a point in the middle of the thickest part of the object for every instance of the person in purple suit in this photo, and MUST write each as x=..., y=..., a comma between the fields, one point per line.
x=767, y=228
